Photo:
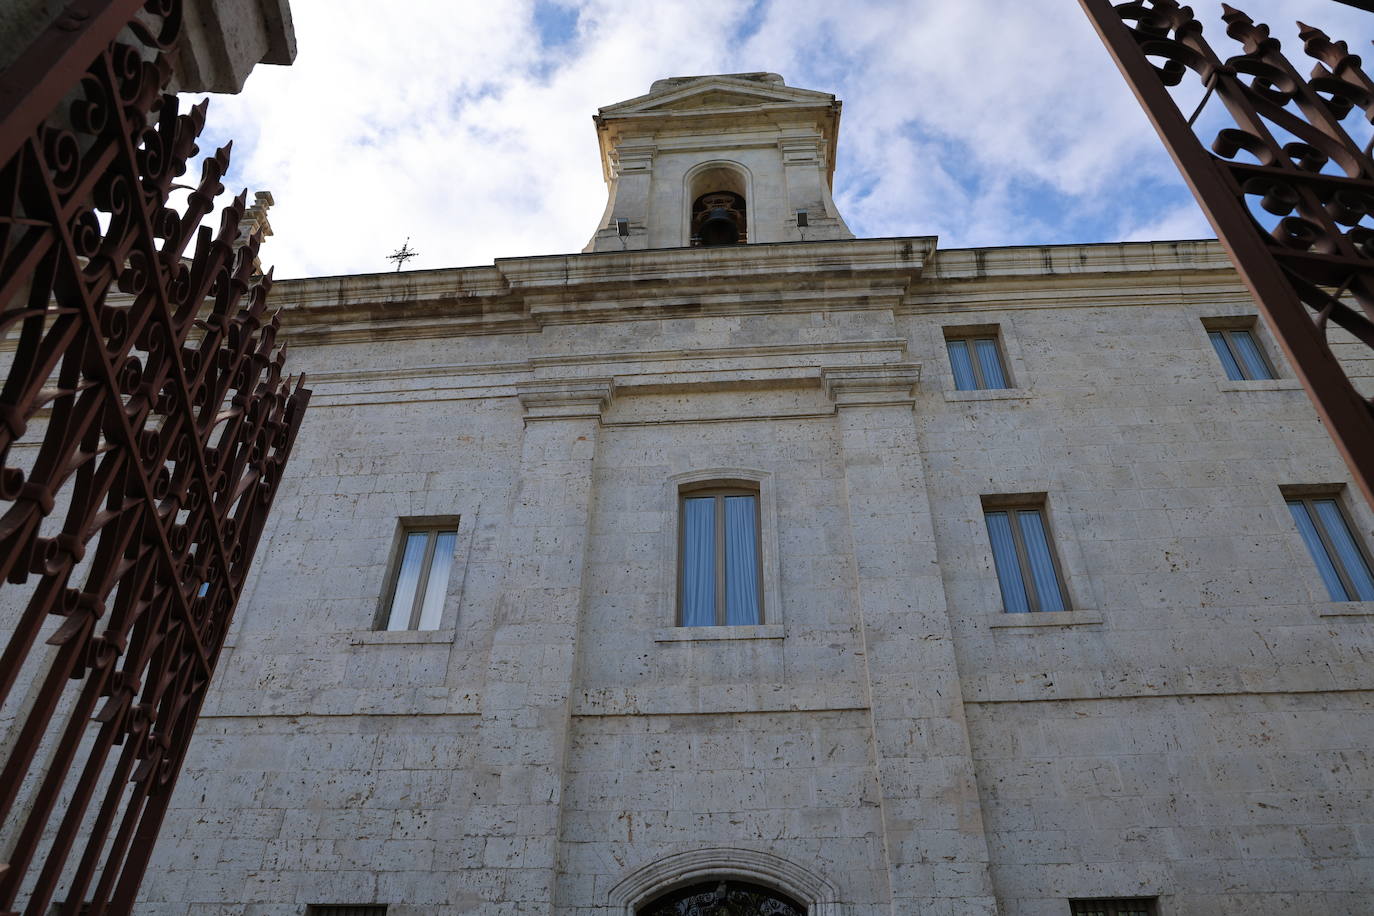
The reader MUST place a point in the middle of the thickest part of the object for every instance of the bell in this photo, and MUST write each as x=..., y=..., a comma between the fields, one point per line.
x=719, y=227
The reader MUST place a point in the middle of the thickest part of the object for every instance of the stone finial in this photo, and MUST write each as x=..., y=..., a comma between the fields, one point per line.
x=255, y=220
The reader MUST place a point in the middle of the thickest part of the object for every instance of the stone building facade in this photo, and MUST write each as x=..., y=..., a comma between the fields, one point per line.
x=1184, y=728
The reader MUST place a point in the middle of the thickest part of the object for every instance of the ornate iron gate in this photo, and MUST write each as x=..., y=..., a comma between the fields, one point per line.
x=1296, y=221
x=161, y=425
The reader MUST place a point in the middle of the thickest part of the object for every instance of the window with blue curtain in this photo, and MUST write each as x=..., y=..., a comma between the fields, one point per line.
x=1240, y=354
x=1341, y=561
x=976, y=362
x=719, y=582
x=1027, y=570
x=419, y=579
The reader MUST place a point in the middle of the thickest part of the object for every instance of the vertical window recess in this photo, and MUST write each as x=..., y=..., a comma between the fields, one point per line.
x=720, y=581
x=1341, y=561
x=415, y=594
x=977, y=362
x=1240, y=354
x=1027, y=568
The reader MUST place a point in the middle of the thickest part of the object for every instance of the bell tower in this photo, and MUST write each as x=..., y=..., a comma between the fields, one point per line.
x=714, y=161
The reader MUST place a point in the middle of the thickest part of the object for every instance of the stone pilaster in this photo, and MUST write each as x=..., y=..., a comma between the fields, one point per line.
x=933, y=829
x=523, y=734
x=805, y=170
x=632, y=169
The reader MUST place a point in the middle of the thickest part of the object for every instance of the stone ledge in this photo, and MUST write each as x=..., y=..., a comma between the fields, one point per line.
x=1347, y=609
x=719, y=699
x=710, y=634
x=1044, y=619
x=399, y=637
x=990, y=394
x=1260, y=384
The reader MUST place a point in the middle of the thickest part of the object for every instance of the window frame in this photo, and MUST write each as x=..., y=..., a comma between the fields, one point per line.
x=969, y=337
x=433, y=526
x=1011, y=505
x=719, y=489
x=1306, y=497
x=1249, y=324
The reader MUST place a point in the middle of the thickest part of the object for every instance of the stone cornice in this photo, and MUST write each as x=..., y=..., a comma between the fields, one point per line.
x=517, y=295
x=866, y=386
x=1076, y=260
x=564, y=399
x=522, y=295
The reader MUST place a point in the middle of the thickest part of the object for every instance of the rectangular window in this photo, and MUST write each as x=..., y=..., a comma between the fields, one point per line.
x=1239, y=351
x=1113, y=906
x=976, y=360
x=1027, y=569
x=345, y=909
x=719, y=568
x=1341, y=561
x=419, y=576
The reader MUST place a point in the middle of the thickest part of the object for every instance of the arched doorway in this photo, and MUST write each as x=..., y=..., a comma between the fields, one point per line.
x=722, y=898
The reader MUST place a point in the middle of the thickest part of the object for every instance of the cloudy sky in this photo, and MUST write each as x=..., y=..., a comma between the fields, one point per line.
x=466, y=126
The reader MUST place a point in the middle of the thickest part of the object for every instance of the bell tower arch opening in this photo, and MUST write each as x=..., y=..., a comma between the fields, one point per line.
x=718, y=197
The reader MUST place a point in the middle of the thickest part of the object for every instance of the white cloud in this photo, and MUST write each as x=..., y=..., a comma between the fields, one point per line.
x=983, y=121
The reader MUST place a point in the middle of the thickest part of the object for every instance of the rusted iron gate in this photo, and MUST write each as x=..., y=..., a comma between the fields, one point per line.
x=1314, y=266
x=161, y=425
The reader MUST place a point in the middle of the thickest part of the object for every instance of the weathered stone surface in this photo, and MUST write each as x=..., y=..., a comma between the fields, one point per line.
x=1197, y=727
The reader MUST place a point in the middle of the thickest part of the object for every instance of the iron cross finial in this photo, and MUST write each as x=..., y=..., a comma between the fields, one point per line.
x=402, y=254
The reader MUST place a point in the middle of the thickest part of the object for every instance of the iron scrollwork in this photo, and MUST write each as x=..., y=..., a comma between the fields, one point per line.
x=724, y=898
x=145, y=423
x=1288, y=190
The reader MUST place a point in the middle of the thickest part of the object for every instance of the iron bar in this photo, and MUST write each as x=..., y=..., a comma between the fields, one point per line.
x=150, y=387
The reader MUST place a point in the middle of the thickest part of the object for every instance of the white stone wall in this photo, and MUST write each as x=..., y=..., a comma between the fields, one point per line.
x=1197, y=728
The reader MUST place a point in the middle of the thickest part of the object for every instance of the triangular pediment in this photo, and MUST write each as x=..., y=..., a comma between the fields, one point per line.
x=690, y=95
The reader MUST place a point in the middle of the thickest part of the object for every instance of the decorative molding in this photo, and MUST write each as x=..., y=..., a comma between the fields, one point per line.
x=679, y=869
x=564, y=399
x=862, y=386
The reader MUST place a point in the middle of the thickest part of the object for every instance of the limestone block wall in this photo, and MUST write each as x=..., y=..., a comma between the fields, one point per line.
x=1174, y=734
x=887, y=740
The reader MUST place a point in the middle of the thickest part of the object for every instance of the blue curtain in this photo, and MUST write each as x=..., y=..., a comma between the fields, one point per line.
x=741, y=561
x=699, y=562
x=1250, y=357
x=1346, y=549
x=1318, y=550
x=960, y=361
x=1004, y=558
x=990, y=361
x=431, y=611
x=407, y=580
x=1041, y=563
x=1228, y=361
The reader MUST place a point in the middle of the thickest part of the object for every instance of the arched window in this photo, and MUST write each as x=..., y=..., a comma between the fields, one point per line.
x=723, y=898
x=720, y=581
x=720, y=214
